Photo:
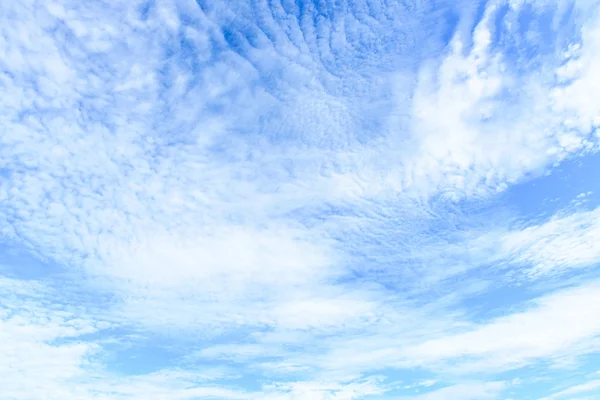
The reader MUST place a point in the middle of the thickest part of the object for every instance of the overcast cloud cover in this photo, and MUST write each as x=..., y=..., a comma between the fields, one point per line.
x=269, y=199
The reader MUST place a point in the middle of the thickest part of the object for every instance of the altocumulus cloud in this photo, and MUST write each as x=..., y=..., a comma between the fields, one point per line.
x=299, y=200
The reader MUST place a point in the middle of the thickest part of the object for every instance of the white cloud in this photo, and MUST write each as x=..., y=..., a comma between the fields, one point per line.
x=223, y=259
x=44, y=350
x=560, y=244
x=31, y=353
x=557, y=325
x=472, y=124
x=120, y=197
x=554, y=328
x=180, y=185
x=576, y=95
x=465, y=391
x=515, y=249
x=479, y=126
x=319, y=390
x=586, y=387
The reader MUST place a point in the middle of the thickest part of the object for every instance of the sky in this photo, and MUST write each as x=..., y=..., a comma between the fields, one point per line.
x=312, y=200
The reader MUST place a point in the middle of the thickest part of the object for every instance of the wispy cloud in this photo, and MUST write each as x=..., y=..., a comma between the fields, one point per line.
x=584, y=388
x=466, y=391
x=557, y=245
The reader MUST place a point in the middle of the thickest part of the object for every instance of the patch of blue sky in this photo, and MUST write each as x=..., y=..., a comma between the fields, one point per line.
x=572, y=185
x=141, y=355
x=18, y=263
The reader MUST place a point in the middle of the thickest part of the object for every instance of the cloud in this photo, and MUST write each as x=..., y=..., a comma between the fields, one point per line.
x=576, y=390
x=578, y=83
x=480, y=125
x=465, y=391
x=557, y=325
x=552, y=329
x=32, y=354
x=557, y=245
x=48, y=350
x=514, y=248
x=327, y=390
x=283, y=189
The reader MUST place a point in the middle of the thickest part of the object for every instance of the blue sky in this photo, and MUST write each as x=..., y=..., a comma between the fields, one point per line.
x=299, y=200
